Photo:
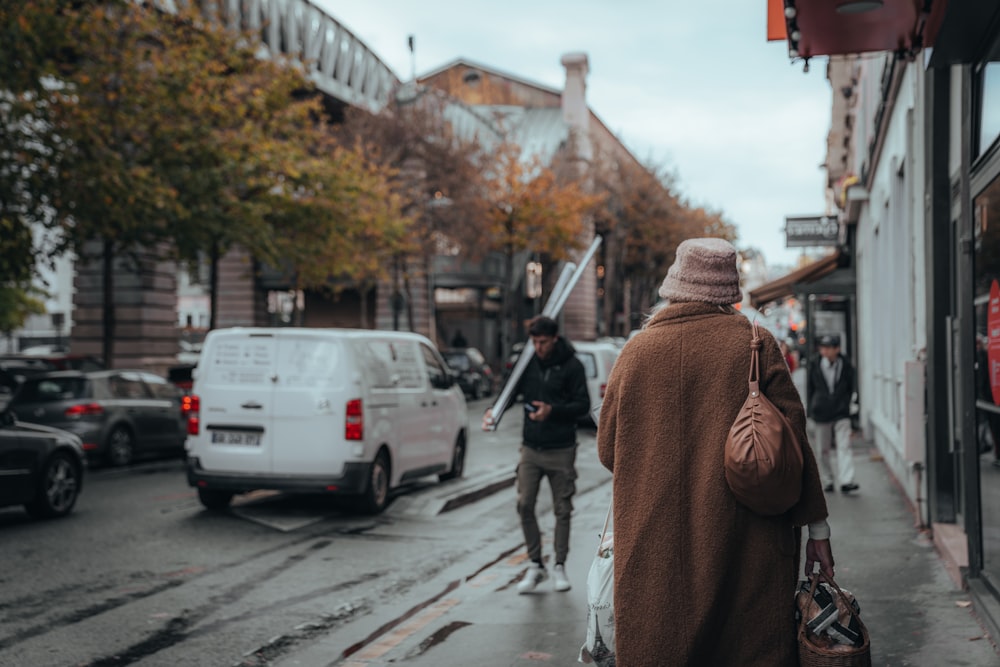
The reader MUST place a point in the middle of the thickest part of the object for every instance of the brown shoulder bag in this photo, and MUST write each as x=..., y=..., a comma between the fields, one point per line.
x=763, y=457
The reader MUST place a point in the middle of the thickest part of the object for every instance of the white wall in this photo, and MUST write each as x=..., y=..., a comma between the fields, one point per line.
x=891, y=286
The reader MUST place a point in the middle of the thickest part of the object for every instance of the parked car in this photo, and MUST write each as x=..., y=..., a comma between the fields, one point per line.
x=351, y=412
x=13, y=372
x=182, y=376
x=58, y=361
x=597, y=359
x=474, y=375
x=120, y=415
x=41, y=467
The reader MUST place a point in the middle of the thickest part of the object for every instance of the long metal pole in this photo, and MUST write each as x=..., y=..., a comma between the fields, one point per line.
x=552, y=309
x=503, y=399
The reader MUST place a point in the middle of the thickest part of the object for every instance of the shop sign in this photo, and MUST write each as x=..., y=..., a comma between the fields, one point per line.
x=809, y=231
x=993, y=346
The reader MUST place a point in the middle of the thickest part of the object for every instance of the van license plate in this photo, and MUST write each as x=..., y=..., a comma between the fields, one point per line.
x=235, y=438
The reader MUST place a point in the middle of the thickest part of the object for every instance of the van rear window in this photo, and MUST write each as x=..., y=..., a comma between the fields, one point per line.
x=310, y=362
x=240, y=361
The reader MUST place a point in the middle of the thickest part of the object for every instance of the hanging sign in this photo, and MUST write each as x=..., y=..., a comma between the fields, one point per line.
x=812, y=230
x=993, y=347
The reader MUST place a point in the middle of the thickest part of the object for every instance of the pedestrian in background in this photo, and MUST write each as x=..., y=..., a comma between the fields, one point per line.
x=554, y=387
x=790, y=359
x=830, y=386
x=700, y=579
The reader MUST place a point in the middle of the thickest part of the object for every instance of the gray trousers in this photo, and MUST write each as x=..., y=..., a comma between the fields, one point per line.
x=559, y=466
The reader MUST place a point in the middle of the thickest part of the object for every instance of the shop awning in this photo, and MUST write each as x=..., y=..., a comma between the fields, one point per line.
x=785, y=286
x=840, y=27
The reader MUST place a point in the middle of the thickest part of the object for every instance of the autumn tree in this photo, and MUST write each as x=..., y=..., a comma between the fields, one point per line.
x=19, y=297
x=434, y=173
x=643, y=220
x=169, y=134
x=531, y=211
x=30, y=33
x=259, y=167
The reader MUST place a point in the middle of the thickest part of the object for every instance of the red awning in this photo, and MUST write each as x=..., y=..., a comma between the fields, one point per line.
x=839, y=27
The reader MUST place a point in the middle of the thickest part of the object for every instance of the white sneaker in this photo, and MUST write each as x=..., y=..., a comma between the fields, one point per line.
x=561, y=583
x=535, y=575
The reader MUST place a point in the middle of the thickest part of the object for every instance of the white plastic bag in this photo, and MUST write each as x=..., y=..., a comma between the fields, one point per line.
x=599, y=649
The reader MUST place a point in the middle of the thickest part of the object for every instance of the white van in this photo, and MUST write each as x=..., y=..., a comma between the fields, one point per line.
x=597, y=358
x=342, y=411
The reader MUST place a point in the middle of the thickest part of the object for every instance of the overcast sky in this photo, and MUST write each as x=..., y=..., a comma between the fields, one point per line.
x=691, y=85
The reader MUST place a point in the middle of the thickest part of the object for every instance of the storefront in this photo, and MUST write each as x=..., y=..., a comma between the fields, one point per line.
x=964, y=181
x=826, y=288
x=948, y=121
x=983, y=95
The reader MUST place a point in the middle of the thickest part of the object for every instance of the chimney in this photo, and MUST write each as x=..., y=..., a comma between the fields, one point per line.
x=574, y=96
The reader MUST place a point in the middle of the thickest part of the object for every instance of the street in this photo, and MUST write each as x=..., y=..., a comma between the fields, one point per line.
x=141, y=574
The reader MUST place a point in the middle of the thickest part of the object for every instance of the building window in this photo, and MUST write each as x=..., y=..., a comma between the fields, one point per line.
x=988, y=103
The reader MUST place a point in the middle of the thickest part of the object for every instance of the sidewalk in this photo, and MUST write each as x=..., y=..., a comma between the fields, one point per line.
x=915, y=614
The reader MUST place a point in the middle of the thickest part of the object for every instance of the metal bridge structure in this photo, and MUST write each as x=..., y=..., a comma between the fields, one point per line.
x=339, y=63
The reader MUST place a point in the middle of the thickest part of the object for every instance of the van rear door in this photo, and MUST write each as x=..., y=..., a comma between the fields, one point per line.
x=315, y=381
x=236, y=392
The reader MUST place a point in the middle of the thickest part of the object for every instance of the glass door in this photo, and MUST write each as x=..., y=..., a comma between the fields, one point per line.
x=986, y=228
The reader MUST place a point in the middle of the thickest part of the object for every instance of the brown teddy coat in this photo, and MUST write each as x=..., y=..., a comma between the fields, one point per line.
x=699, y=578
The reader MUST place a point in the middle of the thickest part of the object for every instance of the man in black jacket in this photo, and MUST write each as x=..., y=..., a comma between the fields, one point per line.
x=830, y=388
x=554, y=386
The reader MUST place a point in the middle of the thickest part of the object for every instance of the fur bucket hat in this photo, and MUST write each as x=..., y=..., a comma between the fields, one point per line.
x=703, y=270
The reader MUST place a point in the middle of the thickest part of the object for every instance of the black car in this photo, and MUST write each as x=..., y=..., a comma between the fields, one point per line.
x=119, y=415
x=475, y=376
x=41, y=467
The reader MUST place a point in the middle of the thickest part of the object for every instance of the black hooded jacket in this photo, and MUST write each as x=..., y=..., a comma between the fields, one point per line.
x=826, y=406
x=560, y=381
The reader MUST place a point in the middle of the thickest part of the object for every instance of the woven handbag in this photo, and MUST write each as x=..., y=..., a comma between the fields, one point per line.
x=813, y=655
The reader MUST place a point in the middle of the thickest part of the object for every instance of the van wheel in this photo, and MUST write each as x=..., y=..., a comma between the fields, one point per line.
x=121, y=446
x=376, y=496
x=215, y=500
x=457, y=461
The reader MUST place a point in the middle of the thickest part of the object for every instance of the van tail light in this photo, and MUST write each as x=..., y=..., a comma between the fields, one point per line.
x=604, y=387
x=354, y=420
x=83, y=410
x=191, y=409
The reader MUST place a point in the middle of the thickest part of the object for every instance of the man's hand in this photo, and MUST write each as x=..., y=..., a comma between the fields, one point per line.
x=541, y=413
x=819, y=551
x=488, y=420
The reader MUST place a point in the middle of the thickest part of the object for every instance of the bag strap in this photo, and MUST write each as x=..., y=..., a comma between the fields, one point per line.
x=754, y=356
x=607, y=519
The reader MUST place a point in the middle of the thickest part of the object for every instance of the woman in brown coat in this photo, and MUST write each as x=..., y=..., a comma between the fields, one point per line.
x=699, y=578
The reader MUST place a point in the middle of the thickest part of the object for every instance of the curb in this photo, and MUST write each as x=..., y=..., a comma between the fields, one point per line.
x=453, y=496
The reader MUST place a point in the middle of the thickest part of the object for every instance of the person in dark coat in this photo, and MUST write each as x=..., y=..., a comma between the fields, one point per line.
x=554, y=387
x=700, y=579
x=830, y=386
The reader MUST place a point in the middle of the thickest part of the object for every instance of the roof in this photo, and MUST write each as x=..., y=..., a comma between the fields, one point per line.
x=785, y=286
x=539, y=132
x=492, y=70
